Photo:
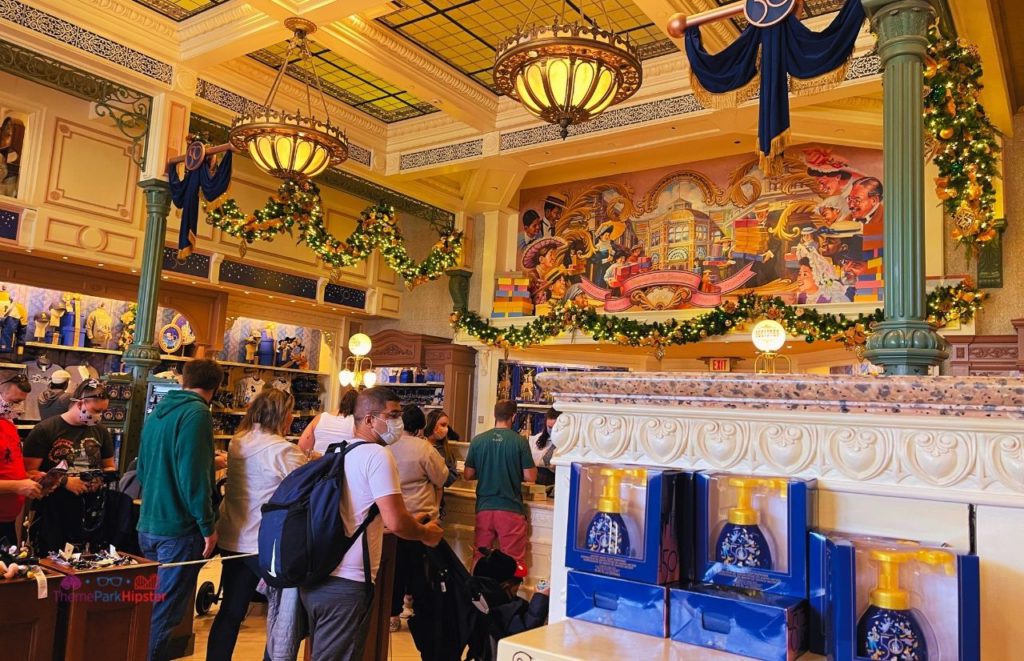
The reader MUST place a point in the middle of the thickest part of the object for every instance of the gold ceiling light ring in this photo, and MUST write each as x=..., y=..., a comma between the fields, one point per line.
x=567, y=73
x=291, y=146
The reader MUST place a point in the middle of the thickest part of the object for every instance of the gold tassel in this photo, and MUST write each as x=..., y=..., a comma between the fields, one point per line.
x=820, y=83
x=772, y=164
x=727, y=100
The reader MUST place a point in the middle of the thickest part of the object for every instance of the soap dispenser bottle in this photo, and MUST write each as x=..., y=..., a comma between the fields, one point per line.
x=742, y=543
x=889, y=630
x=607, y=532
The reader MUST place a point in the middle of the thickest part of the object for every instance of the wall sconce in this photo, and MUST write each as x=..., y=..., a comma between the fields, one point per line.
x=358, y=367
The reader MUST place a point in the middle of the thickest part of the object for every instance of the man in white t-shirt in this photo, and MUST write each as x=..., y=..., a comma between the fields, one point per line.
x=339, y=608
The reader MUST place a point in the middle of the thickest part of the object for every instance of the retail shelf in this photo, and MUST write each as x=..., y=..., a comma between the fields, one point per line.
x=178, y=359
x=12, y=366
x=429, y=384
x=229, y=363
x=61, y=347
x=430, y=407
x=538, y=407
x=297, y=414
x=26, y=427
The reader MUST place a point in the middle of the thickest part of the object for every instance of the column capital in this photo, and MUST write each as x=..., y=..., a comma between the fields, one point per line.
x=906, y=347
x=901, y=26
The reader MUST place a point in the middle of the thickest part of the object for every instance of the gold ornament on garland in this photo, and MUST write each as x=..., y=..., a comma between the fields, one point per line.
x=964, y=144
x=945, y=304
x=297, y=205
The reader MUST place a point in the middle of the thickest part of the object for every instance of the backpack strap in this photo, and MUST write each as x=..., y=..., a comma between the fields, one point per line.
x=370, y=516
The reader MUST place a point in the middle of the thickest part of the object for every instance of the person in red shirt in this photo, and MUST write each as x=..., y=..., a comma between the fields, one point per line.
x=15, y=485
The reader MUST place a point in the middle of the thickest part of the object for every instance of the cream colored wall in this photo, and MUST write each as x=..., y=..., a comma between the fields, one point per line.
x=1007, y=303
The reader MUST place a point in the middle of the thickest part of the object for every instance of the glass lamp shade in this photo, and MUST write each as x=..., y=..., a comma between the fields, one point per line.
x=346, y=377
x=567, y=74
x=360, y=344
x=289, y=146
x=369, y=379
x=768, y=336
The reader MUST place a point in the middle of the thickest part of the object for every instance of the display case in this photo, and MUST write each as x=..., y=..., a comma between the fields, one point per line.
x=517, y=380
x=428, y=371
x=29, y=622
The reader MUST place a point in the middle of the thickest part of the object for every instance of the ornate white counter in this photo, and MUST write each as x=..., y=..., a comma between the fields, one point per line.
x=933, y=458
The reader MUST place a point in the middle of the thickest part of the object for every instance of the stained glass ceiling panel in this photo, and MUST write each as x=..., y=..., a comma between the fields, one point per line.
x=349, y=83
x=465, y=33
x=179, y=10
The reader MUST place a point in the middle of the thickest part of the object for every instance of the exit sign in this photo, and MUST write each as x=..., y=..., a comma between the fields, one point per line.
x=720, y=364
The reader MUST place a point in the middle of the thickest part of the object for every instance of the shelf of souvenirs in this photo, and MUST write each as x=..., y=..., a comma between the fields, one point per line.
x=12, y=366
x=297, y=414
x=62, y=347
x=228, y=437
x=229, y=363
x=533, y=406
x=428, y=384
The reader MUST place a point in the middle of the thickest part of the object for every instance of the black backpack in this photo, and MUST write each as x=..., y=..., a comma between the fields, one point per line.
x=302, y=537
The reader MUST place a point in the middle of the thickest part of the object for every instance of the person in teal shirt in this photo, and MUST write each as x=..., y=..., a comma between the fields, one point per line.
x=176, y=471
x=500, y=460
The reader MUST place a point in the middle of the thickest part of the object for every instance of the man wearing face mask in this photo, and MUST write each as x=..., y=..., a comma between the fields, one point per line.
x=77, y=438
x=15, y=485
x=339, y=607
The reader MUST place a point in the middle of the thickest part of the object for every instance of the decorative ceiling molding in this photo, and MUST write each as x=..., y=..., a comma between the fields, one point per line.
x=130, y=12
x=444, y=154
x=202, y=25
x=84, y=40
x=429, y=68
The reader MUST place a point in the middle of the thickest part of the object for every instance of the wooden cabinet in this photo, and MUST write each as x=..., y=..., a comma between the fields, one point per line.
x=393, y=348
x=28, y=625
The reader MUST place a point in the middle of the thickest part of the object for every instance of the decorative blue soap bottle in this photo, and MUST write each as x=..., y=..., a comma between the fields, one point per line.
x=742, y=543
x=889, y=630
x=607, y=531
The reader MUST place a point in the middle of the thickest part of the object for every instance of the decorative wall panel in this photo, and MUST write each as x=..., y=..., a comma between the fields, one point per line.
x=92, y=172
x=80, y=236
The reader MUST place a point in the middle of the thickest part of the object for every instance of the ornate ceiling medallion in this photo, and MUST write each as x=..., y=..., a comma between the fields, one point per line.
x=291, y=146
x=567, y=73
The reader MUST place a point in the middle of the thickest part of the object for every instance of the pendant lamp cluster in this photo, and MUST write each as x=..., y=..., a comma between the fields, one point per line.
x=567, y=72
x=290, y=146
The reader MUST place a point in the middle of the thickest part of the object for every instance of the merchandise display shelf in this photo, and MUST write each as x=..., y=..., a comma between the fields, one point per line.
x=270, y=368
x=569, y=640
x=61, y=347
x=297, y=414
x=533, y=406
x=12, y=366
x=177, y=359
x=429, y=384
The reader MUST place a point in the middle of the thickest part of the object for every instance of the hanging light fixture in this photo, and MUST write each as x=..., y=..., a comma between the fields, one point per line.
x=291, y=146
x=567, y=73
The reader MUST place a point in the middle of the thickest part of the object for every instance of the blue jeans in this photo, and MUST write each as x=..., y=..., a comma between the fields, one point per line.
x=177, y=584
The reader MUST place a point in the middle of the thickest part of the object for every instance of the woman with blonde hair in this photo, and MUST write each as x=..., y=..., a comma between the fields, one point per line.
x=259, y=458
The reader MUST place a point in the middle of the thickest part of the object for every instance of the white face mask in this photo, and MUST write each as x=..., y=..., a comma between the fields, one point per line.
x=394, y=432
x=10, y=410
x=88, y=418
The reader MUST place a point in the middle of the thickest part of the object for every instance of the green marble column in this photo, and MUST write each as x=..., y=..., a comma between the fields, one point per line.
x=904, y=343
x=143, y=355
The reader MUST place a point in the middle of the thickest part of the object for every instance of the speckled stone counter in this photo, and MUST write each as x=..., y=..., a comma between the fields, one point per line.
x=930, y=458
x=907, y=395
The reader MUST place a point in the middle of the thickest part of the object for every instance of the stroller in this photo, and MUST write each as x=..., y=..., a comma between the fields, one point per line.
x=444, y=633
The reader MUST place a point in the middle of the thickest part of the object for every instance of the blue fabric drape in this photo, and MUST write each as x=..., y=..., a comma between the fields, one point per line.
x=185, y=195
x=787, y=48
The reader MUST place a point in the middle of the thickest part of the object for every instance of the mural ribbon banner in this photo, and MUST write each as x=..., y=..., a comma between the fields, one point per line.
x=762, y=60
x=685, y=286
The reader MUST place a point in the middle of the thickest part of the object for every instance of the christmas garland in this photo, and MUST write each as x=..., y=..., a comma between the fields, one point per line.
x=964, y=144
x=297, y=205
x=945, y=304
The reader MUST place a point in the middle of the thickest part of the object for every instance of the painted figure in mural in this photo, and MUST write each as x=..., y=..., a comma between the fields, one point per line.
x=617, y=273
x=602, y=258
x=577, y=296
x=540, y=259
x=553, y=207
x=865, y=202
x=12, y=137
x=533, y=228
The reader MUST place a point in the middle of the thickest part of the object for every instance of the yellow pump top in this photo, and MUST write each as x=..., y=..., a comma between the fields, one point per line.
x=744, y=514
x=611, y=499
x=888, y=593
x=637, y=475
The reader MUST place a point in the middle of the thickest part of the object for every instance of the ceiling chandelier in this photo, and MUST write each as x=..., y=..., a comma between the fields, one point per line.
x=567, y=73
x=291, y=146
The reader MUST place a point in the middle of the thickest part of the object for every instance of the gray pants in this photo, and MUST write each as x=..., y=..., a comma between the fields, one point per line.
x=339, y=618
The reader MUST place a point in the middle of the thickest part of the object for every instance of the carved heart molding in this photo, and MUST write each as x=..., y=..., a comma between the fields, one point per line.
x=939, y=458
x=664, y=440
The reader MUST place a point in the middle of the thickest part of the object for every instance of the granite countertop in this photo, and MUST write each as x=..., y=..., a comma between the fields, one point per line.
x=984, y=397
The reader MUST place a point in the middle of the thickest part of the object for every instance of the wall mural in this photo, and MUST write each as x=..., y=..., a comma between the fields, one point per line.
x=687, y=236
x=12, y=141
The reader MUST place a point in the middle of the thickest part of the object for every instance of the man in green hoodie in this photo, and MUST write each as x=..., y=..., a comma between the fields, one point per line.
x=176, y=471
